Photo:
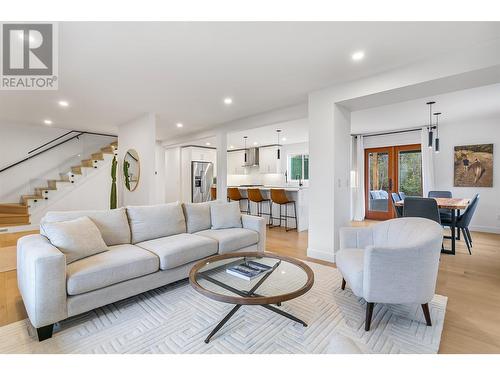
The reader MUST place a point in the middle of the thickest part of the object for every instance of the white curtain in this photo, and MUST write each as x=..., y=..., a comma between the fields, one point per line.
x=427, y=163
x=359, y=183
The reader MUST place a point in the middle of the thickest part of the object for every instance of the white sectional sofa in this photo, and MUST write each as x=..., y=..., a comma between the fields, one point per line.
x=148, y=247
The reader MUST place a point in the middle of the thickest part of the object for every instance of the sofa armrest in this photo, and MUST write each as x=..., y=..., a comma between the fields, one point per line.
x=353, y=237
x=257, y=224
x=41, y=277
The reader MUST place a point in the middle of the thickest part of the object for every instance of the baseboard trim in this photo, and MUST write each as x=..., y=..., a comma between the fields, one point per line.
x=481, y=228
x=321, y=255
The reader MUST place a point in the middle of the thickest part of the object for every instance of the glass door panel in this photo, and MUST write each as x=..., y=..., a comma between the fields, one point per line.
x=379, y=183
x=390, y=170
x=410, y=172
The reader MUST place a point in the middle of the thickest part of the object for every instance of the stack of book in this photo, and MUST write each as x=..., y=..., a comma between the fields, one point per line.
x=248, y=270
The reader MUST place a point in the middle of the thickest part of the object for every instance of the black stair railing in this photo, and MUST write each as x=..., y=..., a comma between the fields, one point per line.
x=52, y=143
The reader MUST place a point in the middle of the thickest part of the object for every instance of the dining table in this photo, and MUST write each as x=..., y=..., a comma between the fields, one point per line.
x=454, y=205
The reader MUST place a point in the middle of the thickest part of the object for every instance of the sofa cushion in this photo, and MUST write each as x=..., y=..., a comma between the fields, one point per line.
x=112, y=224
x=350, y=264
x=197, y=216
x=76, y=239
x=231, y=239
x=150, y=222
x=120, y=263
x=179, y=249
x=225, y=215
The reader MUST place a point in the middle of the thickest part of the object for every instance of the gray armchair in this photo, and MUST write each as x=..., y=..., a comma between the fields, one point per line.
x=394, y=262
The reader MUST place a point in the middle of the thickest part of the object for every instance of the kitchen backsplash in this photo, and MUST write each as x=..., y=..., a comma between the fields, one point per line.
x=259, y=179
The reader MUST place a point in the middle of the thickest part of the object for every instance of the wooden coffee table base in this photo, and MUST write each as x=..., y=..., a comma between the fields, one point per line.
x=249, y=293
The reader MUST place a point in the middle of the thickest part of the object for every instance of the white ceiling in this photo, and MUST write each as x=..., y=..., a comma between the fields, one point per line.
x=113, y=72
x=476, y=103
x=291, y=132
x=296, y=131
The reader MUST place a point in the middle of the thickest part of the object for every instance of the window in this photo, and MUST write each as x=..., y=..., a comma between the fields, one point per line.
x=298, y=167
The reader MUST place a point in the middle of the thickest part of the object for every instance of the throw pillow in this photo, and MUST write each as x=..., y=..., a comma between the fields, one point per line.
x=197, y=216
x=225, y=215
x=77, y=239
x=150, y=222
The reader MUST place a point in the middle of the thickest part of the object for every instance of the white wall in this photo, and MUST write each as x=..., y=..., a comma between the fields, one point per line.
x=173, y=174
x=139, y=134
x=468, y=132
x=15, y=142
x=160, y=174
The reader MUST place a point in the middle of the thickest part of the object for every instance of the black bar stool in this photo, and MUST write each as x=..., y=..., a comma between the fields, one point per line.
x=279, y=196
x=233, y=194
x=254, y=195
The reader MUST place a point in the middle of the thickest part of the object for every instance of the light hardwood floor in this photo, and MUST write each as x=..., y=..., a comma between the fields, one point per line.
x=472, y=284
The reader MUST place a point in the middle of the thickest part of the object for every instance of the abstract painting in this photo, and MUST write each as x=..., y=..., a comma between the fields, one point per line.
x=474, y=166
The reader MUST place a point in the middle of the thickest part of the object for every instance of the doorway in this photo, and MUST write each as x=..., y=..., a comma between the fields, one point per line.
x=387, y=170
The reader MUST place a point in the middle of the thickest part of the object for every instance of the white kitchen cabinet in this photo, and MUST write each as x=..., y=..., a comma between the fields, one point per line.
x=268, y=159
x=235, y=162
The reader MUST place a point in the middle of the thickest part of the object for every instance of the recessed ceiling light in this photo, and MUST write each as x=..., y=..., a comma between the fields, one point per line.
x=208, y=143
x=231, y=146
x=284, y=139
x=47, y=122
x=63, y=103
x=358, y=55
x=255, y=143
x=179, y=125
x=228, y=101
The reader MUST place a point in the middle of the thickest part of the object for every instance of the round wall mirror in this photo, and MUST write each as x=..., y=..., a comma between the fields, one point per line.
x=131, y=170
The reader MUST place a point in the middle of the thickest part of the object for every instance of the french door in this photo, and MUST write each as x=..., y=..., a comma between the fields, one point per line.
x=390, y=170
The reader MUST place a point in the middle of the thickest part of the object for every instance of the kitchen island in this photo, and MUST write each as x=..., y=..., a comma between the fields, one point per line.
x=294, y=193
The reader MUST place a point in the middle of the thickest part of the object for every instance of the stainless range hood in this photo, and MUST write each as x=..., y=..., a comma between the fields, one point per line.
x=251, y=157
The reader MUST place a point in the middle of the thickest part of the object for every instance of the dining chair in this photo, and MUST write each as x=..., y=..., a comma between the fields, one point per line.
x=444, y=213
x=421, y=207
x=464, y=220
x=397, y=209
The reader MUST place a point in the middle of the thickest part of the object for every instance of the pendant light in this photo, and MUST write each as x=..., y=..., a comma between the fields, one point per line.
x=430, y=124
x=245, y=141
x=437, y=132
x=279, y=153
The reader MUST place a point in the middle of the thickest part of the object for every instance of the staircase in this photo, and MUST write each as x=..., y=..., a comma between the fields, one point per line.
x=15, y=214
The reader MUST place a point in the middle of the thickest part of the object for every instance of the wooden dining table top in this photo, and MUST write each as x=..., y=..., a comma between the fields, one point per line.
x=448, y=203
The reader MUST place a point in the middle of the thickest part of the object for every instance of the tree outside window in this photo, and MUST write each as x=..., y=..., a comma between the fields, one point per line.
x=298, y=167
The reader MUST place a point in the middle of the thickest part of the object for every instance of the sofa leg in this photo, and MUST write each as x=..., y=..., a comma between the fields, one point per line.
x=343, y=284
x=45, y=333
x=369, y=313
x=427, y=314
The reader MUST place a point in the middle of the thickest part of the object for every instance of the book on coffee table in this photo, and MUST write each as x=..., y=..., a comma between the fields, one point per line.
x=248, y=270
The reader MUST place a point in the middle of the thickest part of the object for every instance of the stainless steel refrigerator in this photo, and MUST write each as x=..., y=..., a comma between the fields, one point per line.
x=201, y=180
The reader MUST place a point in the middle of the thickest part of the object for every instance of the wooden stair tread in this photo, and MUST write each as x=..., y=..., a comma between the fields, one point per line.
x=31, y=196
x=13, y=215
x=107, y=150
x=13, y=208
x=4, y=225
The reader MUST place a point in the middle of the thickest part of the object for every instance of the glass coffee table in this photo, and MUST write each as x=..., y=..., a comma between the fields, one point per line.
x=282, y=279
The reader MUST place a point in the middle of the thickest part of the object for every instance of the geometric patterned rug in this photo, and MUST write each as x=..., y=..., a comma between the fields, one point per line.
x=176, y=319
